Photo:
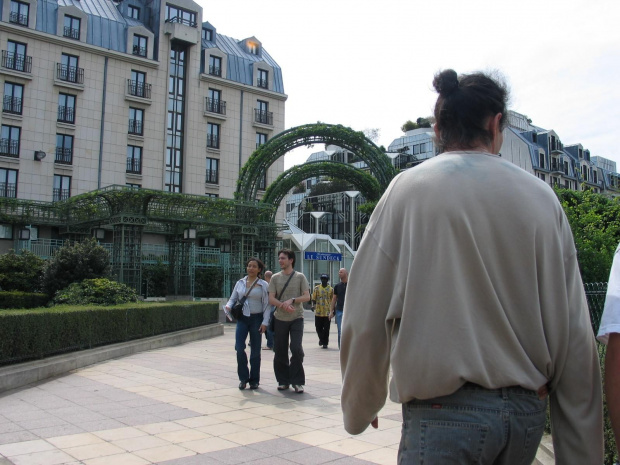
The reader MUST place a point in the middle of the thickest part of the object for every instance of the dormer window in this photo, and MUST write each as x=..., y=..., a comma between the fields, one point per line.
x=534, y=137
x=133, y=12
x=215, y=65
x=19, y=13
x=139, y=45
x=72, y=27
x=263, y=79
x=207, y=34
x=253, y=48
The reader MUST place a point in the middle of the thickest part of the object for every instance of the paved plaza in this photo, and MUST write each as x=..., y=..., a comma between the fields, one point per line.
x=181, y=405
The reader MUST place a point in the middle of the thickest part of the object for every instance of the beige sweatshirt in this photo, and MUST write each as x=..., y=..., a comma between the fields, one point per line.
x=468, y=272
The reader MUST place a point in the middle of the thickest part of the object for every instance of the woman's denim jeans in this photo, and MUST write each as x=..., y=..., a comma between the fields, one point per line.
x=247, y=325
x=473, y=426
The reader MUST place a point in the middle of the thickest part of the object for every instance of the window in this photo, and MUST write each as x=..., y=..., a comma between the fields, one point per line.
x=212, y=196
x=72, y=27
x=134, y=186
x=68, y=69
x=9, y=141
x=253, y=48
x=262, y=183
x=215, y=65
x=541, y=160
x=139, y=45
x=64, y=149
x=261, y=139
x=19, y=13
x=136, y=116
x=62, y=187
x=8, y=183
x=566, y=184
x=6, y=231
x=133, y=11
x=213, y=135
x=215, y=103
x=66, y=108
x=262, y=113
x=212, y=170
x=262, y=80
x=207, y=34
x=595, y=176
x=175, y=14
x=12, y=102
x=138, y=86
x=225, y=247
x=584, y=172
x=15, y=57
x=134, y=159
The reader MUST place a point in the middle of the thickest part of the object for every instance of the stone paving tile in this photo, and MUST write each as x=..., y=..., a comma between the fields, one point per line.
x=315, y=457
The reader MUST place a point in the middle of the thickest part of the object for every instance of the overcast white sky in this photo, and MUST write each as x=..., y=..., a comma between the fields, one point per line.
x=367, y=64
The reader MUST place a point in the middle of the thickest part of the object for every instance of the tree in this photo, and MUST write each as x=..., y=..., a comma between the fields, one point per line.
x=372, y=133
x=74, y=263
x=595, y=222
x=21, y=271
x=419, y=123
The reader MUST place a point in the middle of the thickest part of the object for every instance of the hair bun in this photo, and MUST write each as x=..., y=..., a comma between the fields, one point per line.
x=446, y=82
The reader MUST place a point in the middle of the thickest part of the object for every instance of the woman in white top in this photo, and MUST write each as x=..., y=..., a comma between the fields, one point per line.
x=254, y=321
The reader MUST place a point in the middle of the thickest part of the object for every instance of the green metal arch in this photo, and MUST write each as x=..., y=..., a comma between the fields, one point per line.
x=379, y=164
x=367, y=185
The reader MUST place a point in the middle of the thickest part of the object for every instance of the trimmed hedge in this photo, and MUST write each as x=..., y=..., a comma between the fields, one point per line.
x=38, y=333
x=18, y=299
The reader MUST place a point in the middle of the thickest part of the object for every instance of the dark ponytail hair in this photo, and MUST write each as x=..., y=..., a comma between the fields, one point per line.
x=463, y=107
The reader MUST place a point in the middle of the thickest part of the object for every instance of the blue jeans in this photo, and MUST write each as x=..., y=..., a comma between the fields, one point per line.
x=269, y=335
x=474, y=425
x=339, y=324
x=247, y=325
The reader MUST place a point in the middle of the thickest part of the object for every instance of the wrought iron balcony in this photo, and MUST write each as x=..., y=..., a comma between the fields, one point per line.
x=263, y=117
x=135, y=127
x=9, y=148
x=17, y=18
x=212, y=176
x=12, y=105
x=64, y=155
x=140, y=51
x=134, y=165
x=60, y=194
x=216, y=106
x=71, y=33
x=213, y=141
x=70, y=73
x=22, y=63
x=66, y=114
x=8, y=190
x=262, y=83
x=138, y=89
x=215, y=70
x=180, y=20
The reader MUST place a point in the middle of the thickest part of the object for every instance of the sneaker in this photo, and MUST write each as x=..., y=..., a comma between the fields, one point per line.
x=242, y=386
x=282, y=387
x=325, y=346
x=299, y=389
x=253, y=385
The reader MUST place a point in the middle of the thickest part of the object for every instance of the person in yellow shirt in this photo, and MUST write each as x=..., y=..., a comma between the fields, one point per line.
x=321, y=301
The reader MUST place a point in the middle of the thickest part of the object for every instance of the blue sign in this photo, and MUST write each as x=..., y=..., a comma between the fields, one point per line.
x=333, y=257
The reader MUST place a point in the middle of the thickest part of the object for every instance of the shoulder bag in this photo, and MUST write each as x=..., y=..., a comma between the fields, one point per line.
x=237, y=309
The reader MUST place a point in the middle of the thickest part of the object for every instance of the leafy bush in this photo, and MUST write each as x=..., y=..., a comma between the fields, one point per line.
x=21, y=271
x=74, y=263
x=155, y=279
x=208, y=282
x=18, y=299
x=100, y=291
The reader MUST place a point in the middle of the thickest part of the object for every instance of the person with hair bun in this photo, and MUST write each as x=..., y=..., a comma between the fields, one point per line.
x=466, y=284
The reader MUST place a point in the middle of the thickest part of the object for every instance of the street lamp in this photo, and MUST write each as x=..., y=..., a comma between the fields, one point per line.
x=352, y=195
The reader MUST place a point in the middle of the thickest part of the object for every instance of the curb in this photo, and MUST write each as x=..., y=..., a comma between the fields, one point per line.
x=14, y=376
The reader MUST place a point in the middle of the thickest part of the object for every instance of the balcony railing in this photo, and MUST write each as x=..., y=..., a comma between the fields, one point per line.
x=9, y=148
x=17, y=18
x=180, y=20
x=70, y=73
x=213, y=141
x=212, y=176
x=16, y=62
x=71, y=33
x=8, y=190
x=134, y=165
x=12, y=105
x=139, y=89
x=264, y=117
x=216, y=106
x=66, y=114
x=262, y=83
x=135, y=127
x=60, y=194
x=140, y=51
x=215, y=70
x=64, y=155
